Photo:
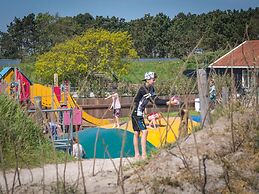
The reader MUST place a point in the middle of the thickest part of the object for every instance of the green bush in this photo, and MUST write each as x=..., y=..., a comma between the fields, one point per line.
x=21, y=139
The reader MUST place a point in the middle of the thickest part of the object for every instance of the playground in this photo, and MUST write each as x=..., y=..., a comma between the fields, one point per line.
x=59, y=106
x=103, y=104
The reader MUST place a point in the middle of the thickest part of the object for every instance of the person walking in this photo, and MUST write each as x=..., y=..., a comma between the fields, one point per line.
x=115, y=106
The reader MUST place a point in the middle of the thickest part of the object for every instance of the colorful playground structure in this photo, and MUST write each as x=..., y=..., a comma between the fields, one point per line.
x=15, y=83
x=25, y=91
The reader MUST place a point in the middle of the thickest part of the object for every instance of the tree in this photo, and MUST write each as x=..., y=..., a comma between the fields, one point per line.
x=112, y=24
x=184, y=34
x=159, y=31
x=254, y=24
x=8, y=48
x=43, y=22
x=96, y=51
x=23, y=35
x=143, y=41
x=153, y=36
x=52, y=30
x=84, y=20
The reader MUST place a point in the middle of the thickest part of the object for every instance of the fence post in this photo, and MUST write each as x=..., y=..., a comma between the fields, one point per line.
x=224, y=95
x=52, y=97
x=256, y=88
x=18, y=93
x=70, y=136
x=38, y=109
x=203, y=95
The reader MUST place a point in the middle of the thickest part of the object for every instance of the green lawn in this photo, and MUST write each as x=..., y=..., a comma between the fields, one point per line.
x=166, y=70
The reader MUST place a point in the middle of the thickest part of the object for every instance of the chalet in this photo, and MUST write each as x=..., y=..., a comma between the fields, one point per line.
x=243, y=61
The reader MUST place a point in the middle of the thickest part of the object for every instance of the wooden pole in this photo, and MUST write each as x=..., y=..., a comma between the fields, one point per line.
x=256, y=88
x=15, y=74
x=38, y=109
x=203, y=95
x=18, y=92
x=224, y=95
x=52, y=97
x=70, y=137
x=66, y=92
x=55, y=80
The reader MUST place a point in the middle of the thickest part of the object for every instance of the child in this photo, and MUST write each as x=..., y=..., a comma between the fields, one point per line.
x=145, y=94
x=175, y=100
x=152, y=117
x=55, y=129
x=13, y=89
x=212, y=90
x=78, y=150
x=212, y=93
x=183, y=129
x=116, y=106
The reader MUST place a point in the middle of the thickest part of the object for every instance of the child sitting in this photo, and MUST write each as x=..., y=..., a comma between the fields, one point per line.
x=175, y=100
x=78, y=150
x=152, y=117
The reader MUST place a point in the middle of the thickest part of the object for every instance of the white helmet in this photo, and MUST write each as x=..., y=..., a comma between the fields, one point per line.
x=150, y=75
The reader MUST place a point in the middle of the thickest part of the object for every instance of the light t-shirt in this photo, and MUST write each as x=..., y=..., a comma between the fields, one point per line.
x=78, y=150
x=116, y=102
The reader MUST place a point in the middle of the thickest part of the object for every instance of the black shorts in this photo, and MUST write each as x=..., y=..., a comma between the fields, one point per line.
x=138, y=123
x=116, y=112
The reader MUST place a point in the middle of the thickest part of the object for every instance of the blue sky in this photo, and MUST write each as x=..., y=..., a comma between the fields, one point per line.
x=128, y=9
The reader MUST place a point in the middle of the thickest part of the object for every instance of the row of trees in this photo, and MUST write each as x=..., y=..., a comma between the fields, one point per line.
x=153, y=36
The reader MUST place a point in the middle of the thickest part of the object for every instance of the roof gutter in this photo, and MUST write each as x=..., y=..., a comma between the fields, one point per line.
x=226, y=54
x=234, y=67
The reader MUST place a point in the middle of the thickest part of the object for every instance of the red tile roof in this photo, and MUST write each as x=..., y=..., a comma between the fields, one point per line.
x=243, y=56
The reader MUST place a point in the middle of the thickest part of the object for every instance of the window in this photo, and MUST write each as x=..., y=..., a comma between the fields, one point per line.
x=248, y=78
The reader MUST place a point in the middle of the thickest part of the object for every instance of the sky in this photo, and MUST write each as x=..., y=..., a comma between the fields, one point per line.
x=127, y=9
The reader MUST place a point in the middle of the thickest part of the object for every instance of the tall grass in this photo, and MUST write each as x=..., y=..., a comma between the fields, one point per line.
x=20, y=137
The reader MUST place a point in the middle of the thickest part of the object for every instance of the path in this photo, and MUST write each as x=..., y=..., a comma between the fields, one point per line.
x=104, y=181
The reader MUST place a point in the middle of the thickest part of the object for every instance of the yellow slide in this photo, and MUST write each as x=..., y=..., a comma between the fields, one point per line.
x=72, y=103
x=46, y=94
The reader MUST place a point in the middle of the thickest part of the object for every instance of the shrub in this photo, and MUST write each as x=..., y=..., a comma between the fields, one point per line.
x=21, y=139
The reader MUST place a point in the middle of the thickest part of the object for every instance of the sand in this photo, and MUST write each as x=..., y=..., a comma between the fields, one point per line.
x=34, y=180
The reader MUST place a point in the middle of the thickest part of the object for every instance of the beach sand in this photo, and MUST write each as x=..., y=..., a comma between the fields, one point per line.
x=37, y=180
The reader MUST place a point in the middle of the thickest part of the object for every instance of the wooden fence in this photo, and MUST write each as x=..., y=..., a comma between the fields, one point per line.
x=98, y=107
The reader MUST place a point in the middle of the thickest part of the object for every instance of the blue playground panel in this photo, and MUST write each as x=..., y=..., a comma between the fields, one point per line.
x=4, y=71
x=110, y=140
x=196, y=118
